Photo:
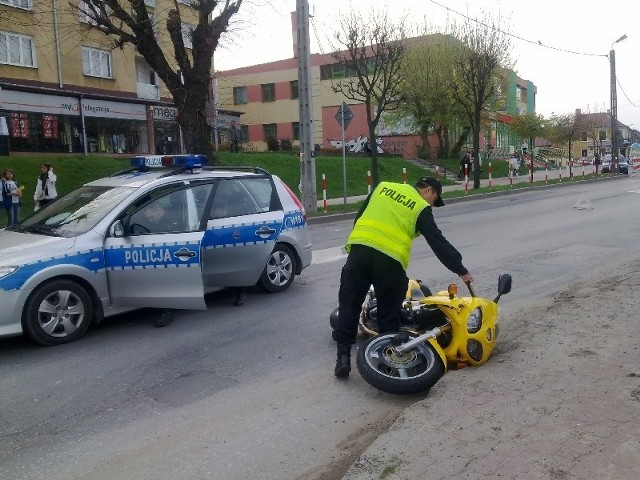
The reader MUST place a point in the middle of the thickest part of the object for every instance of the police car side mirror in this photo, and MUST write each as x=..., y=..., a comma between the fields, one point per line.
x=117, y=229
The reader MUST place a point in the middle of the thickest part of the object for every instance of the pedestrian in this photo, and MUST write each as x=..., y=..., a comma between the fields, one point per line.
x=465, y=165
x=597, y=161
x=514, y=166
x=11, y=193
x=234, y=137
x=45, y=187
x=379, y=247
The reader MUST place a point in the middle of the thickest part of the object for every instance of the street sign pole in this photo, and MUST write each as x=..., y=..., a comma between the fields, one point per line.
x=344, y=160
x=344, y=116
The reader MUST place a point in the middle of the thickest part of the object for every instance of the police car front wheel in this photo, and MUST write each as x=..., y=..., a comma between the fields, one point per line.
x=280, y=270
x=57, y=312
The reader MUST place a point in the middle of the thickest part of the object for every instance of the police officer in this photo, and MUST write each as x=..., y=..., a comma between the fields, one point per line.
x=379, y=247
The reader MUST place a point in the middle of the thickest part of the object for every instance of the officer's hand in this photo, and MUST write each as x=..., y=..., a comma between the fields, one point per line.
x=468, y=278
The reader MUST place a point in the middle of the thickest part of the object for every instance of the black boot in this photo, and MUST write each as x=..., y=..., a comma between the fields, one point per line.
x=343, y=362
x=241, y=296
x=163, y=319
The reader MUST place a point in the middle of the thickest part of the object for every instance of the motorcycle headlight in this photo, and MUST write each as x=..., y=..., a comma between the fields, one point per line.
x=8, y=270
x=474, y=322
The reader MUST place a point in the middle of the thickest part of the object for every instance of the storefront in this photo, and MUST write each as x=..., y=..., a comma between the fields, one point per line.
x=39, y=122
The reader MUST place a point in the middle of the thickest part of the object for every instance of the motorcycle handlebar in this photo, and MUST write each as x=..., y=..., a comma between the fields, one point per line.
x=472, y=290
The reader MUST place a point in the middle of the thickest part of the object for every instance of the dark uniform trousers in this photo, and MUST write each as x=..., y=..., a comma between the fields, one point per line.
x=367, y=266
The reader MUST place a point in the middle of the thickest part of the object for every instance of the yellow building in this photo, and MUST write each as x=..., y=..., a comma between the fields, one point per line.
x=64, y=88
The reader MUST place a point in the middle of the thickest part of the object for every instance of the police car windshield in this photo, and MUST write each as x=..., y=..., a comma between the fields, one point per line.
x=75, y=213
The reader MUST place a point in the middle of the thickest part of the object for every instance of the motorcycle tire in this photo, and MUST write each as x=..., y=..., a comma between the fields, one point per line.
x=415, y=371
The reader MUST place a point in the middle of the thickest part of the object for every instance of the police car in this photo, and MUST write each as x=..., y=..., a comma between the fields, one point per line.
x=161, y=234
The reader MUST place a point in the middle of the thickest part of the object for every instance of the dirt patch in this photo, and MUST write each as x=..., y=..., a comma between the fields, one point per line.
x=559, y=398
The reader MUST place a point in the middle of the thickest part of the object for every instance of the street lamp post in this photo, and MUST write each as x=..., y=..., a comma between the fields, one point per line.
x=614, y=106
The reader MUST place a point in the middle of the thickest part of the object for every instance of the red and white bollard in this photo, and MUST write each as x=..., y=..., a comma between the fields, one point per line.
x=489, y=174
x=437, y=171
x=404, y=175
x=324, y=193
x=546, y=173
x=369, y=182
x=560, y=173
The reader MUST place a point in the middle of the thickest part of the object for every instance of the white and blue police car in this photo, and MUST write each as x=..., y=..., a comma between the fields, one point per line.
x=161, y=234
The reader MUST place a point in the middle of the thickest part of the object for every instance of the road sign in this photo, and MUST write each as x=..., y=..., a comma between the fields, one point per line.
x=344, y=112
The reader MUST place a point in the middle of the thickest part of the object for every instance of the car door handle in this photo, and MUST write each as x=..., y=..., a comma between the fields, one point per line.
x=265, y=231
x=184, y=254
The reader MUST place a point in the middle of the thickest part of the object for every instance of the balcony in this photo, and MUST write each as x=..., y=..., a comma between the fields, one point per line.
x=148, y=91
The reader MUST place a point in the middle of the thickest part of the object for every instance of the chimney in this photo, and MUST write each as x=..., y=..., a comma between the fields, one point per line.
x=294, y=32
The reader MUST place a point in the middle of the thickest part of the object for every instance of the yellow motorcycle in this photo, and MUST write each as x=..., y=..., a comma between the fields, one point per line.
x=437, y=332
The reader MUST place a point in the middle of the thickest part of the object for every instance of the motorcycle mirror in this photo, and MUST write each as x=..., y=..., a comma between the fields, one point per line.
x=504, y=285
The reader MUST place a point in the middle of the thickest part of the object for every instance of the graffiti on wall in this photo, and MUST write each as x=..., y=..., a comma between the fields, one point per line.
x=356, y=145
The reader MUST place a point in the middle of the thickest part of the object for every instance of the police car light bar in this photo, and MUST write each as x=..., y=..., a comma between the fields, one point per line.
x=169, y=161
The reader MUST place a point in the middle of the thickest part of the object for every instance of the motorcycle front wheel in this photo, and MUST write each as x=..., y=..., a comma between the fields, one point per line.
x=414, y=371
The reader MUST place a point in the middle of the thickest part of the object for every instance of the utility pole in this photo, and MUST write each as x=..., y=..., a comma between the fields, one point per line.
x=614, y=112
x=307, y=153
x=614, y=107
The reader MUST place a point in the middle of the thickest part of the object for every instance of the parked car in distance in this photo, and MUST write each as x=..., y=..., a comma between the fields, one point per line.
x=162, y=234
x=623, y=164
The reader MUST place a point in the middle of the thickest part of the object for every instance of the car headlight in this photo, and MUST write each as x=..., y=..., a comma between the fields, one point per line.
x=474, y=322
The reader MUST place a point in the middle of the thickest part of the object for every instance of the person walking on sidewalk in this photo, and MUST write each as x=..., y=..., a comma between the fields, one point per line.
x=379, y=247
x=45, y=187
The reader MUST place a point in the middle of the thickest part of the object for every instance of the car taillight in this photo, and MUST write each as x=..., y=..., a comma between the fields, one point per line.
x=296, y=201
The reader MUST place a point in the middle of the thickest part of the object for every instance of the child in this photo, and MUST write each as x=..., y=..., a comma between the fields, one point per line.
x=11, y=197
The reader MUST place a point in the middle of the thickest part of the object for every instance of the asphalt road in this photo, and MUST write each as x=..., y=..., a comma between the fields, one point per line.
x=248, y=392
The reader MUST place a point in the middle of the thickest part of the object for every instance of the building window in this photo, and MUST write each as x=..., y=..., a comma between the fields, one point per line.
x=270, y=130
x=89, y=12
x=24, y=4
x=602, y=135
x=239, y=95
x=294, y=88
x=583, y=136
x=244, y=133
x=296, y=130
x=187, y=35
x=96, y=63
x=268, y=92
x=150, y=3
x=336, y=70
x=17, y=49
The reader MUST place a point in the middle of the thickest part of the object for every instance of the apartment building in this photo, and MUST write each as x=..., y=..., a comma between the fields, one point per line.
x=64, y=88
x=595, y=136
x=267, y=96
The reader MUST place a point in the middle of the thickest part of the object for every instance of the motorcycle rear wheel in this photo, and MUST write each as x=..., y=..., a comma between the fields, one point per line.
x=414, y=371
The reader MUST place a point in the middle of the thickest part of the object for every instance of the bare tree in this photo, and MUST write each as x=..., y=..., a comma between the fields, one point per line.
x=130, y=22
x=478, y=67
x=565, y=129
x=371, y=51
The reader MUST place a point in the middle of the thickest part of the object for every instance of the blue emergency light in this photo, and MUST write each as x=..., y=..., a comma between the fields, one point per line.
x=169, y=161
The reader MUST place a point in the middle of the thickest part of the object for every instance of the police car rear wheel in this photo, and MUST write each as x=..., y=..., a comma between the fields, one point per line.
x=58, y=312
x=280, y=270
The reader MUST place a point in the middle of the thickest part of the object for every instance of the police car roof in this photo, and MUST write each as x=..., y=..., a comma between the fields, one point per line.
x=136, y=179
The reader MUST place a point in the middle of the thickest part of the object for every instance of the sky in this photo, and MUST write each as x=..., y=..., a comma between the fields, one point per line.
x=562, y=46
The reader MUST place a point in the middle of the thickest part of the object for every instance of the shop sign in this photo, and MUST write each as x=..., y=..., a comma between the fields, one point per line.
x=165, y=114
x=60, y=105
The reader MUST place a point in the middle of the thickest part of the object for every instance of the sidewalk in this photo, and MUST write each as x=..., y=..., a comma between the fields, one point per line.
x=579, y=172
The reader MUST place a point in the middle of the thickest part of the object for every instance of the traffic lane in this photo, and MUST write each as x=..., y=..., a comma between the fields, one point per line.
x=239, y=375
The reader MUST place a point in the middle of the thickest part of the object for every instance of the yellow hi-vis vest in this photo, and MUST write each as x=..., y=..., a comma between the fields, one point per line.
x=388, y=224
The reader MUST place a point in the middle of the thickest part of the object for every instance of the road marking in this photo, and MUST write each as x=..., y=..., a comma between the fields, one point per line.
x=328, y=255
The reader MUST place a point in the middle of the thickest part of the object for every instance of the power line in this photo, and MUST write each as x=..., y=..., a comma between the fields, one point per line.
x=538, y=43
